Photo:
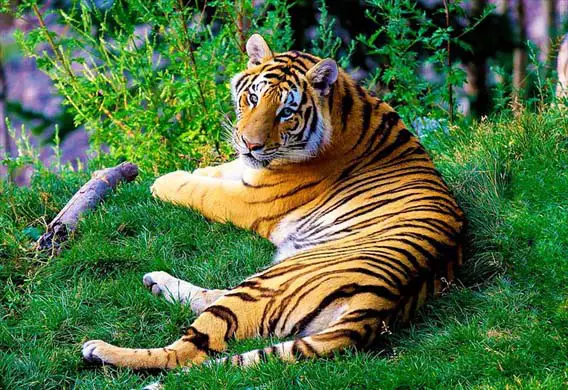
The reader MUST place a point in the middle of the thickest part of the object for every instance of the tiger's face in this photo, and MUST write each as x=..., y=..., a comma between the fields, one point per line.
x=281, y=113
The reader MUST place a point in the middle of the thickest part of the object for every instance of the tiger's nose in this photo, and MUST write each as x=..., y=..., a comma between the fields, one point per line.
x=253, y=146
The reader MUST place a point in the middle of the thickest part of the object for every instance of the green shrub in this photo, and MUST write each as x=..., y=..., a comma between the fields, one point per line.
x=406, y=41
x=151, y=80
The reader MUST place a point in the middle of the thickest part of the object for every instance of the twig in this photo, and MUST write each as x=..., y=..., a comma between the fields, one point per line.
x=117, y=122
x=449, y=49
x=241, y=21
x=61, y=59
x=233, y=20
x=51, y=43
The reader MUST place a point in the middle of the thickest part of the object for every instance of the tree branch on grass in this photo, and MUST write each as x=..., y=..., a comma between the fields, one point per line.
x=87, y=198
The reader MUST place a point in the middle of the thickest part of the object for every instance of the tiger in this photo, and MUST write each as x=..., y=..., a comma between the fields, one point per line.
x=365, y=227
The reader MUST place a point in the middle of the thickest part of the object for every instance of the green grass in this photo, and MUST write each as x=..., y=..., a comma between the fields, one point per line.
x=505, y=323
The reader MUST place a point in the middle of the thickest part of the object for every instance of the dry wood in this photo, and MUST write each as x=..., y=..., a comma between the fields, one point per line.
x=88, y=196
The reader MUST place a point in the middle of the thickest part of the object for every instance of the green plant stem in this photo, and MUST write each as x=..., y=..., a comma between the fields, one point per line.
x=449, y=50
x=192, y=56
x=59, y=57
x=51, y=43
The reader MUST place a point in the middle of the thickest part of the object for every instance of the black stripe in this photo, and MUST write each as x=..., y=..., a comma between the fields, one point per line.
x=287, y=194
x=367, y=108
x=226, y=315
x=351, y=334
x=296, y=352
x=286, y=56
x=307, y=116
x=330, y=98
x=346, y=106
x=262, y=185
x=200, y=340
x=314, y=123
x=360, y=91
x=402, y=137
x=346, y=291
x=238, y=84
x=256, y=224
x=277, y=76
x=321, y=277
x=262, y=355
x=168, y=357
x=308, y=347
x=307, y=56
x=242, y=295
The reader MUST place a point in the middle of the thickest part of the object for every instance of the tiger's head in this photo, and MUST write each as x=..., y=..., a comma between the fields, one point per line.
x=282, y=112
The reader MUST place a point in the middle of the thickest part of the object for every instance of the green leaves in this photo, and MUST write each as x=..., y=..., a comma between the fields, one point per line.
x=327, y=43
x=414, y=71
x=151, y=80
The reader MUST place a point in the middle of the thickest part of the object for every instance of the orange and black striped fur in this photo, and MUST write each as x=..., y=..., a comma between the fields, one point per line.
x=365, y=227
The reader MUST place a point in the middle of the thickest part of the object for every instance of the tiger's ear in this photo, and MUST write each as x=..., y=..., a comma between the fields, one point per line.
x=322, y=75
x=257, y=50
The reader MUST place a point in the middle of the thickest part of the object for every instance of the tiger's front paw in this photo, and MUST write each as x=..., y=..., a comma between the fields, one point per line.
x=208, y=172
x=168, y=187
x=97, y=351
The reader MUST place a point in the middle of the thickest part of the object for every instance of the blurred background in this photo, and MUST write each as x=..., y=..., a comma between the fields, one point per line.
x=495, y=48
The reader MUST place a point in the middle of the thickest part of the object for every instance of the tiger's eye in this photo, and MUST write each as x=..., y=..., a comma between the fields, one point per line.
x=286, y=112
x=253, y=99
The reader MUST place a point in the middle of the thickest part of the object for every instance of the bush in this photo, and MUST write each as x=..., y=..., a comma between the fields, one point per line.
x=409, y=45
x=151, y=80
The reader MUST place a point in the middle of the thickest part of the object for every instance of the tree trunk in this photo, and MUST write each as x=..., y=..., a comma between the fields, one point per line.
x=520, y=55
x=4, y=136
x=549, y=11
x=562, y=68
x=477, y=71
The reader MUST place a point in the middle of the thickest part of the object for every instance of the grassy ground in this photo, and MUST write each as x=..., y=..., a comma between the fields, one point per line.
x=509, y=330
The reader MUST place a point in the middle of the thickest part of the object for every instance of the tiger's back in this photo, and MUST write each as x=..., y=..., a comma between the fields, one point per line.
x=365, y=227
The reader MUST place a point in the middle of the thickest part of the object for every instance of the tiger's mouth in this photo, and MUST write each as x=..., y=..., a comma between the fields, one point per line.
x=253, y=162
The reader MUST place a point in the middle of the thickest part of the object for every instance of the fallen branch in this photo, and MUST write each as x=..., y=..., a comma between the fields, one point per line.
x=88, y=196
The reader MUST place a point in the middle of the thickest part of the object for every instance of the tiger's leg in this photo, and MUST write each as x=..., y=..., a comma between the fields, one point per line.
x=241, y=202
x=357, y=328
x=217, y=199
x=236, y=314
x=177, y=290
